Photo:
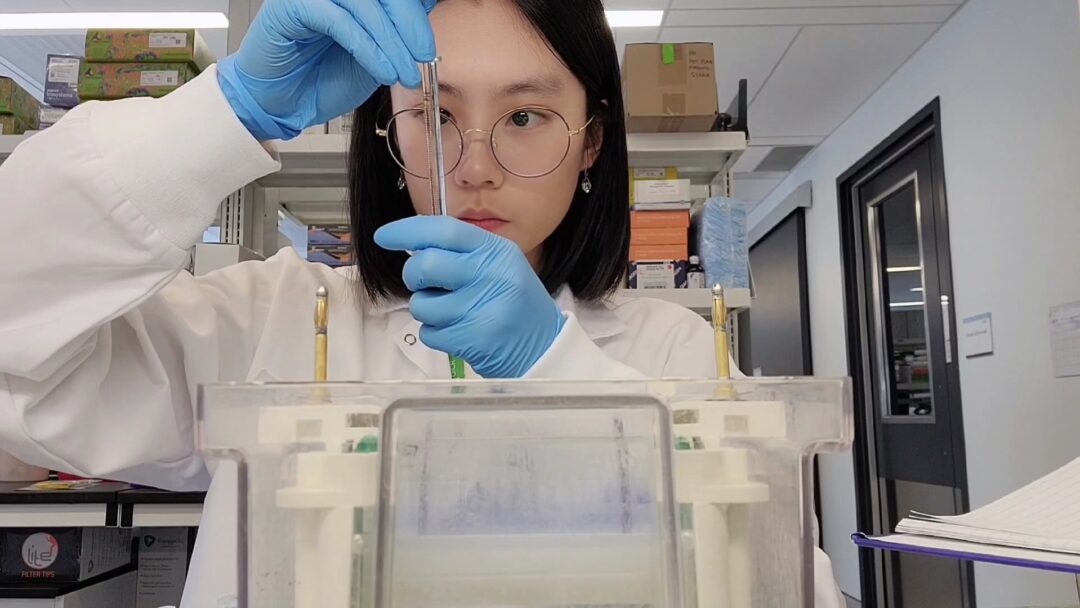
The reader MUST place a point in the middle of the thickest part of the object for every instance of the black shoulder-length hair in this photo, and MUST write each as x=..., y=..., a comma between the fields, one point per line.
x=588, y=250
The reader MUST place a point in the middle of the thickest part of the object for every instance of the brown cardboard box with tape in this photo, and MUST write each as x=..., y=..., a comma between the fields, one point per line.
x=670, y=88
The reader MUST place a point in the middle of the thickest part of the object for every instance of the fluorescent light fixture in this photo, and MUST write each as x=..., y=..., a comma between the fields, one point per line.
x=86, y=21
x=917, y=289
x=904, y=269
x=634, y=18
x=919, y=304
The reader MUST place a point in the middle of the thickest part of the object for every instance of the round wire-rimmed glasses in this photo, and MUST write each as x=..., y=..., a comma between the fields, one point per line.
x=527, y=142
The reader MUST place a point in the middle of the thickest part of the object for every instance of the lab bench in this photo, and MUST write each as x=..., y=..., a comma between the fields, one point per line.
x=107, y=504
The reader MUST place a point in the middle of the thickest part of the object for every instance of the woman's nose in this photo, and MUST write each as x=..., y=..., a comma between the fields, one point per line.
x=478, y=167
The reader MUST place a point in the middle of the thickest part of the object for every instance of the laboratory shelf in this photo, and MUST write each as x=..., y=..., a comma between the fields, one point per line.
x=105, y=505
x=697, y=300
x=320, y=160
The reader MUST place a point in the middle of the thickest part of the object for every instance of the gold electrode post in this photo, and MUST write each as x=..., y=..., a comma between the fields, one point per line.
x=322, y=320
x=720, y=333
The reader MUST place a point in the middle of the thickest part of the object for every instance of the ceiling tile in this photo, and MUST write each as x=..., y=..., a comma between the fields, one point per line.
x=828, y=73
x=635, y=5
x=810, y=16
x=633, y=35
x=677, y=4
x=750, y=52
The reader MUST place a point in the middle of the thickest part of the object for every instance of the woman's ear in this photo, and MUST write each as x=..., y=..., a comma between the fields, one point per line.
x=594, y=139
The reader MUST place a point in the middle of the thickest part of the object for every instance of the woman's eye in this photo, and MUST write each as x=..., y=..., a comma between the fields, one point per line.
x=527, y=119
x=445, y=117
x=521, y=119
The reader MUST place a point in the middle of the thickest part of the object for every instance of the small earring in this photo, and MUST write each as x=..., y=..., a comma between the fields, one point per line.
x=586, y=184
x=401, y=181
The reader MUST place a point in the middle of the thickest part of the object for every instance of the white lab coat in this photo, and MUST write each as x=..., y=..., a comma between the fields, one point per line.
x=103, y=339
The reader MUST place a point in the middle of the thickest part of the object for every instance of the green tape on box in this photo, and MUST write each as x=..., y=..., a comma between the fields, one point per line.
x=667, y=53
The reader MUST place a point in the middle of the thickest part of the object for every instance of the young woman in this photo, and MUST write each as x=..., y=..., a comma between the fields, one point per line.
x=103, y=339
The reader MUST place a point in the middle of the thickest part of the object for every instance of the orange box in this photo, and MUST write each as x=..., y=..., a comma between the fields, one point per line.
x=658, y=236
x=659, y=252
x=660, y=219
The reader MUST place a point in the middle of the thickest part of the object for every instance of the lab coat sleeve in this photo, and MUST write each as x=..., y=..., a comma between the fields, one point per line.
x=102, y=337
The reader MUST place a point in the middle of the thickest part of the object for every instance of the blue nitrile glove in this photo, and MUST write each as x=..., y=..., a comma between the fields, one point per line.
x=475, y=294
x=304, y=62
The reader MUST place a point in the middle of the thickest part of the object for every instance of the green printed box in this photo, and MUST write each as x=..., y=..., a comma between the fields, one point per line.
x=120, y=80
x=14, y=101
x=9, y=125
x=148, y=46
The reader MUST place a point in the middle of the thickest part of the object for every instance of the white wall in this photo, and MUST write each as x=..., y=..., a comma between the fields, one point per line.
x=1008, y=75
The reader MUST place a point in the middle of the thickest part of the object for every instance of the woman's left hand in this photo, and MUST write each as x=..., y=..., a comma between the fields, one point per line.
x=475, y=294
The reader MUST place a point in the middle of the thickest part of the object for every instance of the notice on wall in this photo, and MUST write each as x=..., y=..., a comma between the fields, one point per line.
x=978, y=336
x=1065, y=339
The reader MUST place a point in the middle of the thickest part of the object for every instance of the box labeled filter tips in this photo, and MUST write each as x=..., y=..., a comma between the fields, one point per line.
x=62, y=554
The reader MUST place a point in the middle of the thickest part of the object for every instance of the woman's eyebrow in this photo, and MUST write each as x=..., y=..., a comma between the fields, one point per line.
x=545, y=86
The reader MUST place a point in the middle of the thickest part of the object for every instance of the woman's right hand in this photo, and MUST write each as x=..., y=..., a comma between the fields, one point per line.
x=304, y=62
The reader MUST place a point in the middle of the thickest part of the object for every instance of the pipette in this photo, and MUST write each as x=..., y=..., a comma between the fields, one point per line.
x=720, y=334
x=429, y=83
x=429, y=86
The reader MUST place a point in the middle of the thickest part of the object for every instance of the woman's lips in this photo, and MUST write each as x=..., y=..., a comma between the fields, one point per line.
x=489, y=224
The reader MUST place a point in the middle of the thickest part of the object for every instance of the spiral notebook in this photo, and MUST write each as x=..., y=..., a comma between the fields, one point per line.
x=1037, y=526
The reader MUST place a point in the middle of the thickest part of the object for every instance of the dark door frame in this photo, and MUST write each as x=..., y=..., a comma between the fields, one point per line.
x=926, y=124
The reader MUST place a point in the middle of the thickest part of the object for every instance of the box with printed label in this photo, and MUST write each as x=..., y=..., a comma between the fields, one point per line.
x=660, y=219
x=659, y=236
x=50, y=116
x=331, y=256
x=670, y=274
x=648, y=173
x=661, y=191
x=337, y=235
x=659, y=252
x=62, y=554
x=340, y=125
x=669, y=88
x=15, y=101
x=62, y=80
x=148, y=46
x=120, y=80
x=163, y=565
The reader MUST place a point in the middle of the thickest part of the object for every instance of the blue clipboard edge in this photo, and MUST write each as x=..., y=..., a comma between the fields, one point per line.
x=870, y=542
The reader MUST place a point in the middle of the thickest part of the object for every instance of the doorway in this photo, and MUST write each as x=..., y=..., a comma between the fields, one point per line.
x=909, y=452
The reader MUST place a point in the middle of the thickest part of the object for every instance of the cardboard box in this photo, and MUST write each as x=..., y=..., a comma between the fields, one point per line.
x=62, y=80
x=331, y=256
x=661, y=191
x=669, y=88
x=9, y=125
x=660, y=219
x=659, y=236
x=120, y=80
x=50, y=116
x=15, y=101
x=653, y=253
x=670, y=274
x=62, y=554
x=336, y=235
x=148, y=46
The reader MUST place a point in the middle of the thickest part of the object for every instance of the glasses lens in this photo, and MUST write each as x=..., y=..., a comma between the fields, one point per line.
x=407, y=137
x=530, y=142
